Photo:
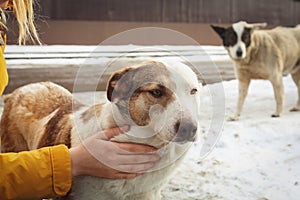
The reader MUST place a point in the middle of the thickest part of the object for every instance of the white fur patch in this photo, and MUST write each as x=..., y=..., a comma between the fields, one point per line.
x=240, y=45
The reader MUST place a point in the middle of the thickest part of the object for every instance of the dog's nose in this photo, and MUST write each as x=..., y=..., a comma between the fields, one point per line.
x=239, y=52
x=186, y=131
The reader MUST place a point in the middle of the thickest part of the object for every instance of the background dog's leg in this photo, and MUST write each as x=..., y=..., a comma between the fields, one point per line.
x=243, y=91
x=279, y=95
x=296, y=78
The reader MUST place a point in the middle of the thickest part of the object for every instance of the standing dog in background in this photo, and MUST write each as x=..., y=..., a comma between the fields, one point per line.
x=263, y=54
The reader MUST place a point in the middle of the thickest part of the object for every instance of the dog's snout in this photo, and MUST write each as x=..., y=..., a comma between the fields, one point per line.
x=239, y=52
x=186, y=131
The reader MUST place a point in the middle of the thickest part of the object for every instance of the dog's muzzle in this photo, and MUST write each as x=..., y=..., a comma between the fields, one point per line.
x=239, y=53
x=186, y=130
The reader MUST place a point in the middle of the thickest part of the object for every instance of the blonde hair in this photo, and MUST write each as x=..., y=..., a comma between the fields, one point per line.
x=23, y=11
x=3, y=27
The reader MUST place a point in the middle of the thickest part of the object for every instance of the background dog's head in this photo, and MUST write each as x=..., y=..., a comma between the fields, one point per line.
x=162, y=97
x=237, y=38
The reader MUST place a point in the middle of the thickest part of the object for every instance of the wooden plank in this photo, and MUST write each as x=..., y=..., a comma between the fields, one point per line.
x=15, y=53
x=214, y=11
x=90, y=74
x=296, y=12
x=92, y=79
x=12, y=49
x=275, y=12
x=115, y=10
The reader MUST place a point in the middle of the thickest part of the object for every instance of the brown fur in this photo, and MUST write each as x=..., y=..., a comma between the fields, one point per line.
x=143, y=78
x=22, y=132
x=91, y=112
x=143, y=97
x=59, y=127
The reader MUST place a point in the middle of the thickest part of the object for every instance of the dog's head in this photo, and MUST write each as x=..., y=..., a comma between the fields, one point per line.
x=237, y=38
x=163, y=97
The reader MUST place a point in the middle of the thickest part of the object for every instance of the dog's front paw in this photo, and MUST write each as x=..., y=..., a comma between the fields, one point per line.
x=294, y=109
x=233, y=118
x=275, y=115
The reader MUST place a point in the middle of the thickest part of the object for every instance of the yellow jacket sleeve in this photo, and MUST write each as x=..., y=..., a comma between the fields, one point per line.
x=3, y=71
x=36, y=174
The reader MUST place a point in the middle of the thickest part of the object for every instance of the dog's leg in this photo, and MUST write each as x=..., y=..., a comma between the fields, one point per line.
x=296, y=78
x=243, y=91
x=279, y=94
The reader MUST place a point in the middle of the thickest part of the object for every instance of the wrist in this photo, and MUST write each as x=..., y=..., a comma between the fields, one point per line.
x=75, y=161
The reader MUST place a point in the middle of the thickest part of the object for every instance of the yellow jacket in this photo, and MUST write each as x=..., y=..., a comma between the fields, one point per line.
x=3, y=71
x=34, y=174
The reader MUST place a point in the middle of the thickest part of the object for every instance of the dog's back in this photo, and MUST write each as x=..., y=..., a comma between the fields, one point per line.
x=283, y=40
x=28, y=109
x=297, y=32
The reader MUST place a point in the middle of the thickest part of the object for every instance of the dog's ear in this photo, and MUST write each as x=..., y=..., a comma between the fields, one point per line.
x=256, y=26
x=113, y=82
x=219, y=30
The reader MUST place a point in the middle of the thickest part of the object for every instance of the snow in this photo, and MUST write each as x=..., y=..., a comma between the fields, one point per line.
x=257, y=157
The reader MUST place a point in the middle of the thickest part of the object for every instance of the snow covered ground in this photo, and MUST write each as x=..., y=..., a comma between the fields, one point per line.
x=255, y=158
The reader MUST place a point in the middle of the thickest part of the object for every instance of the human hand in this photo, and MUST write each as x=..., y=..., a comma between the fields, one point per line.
x=97, y=156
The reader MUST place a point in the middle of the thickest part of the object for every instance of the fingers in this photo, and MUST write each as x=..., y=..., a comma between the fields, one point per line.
x=141, y=168
x=110, y=133
x=137, y=159
x=130, y=148
x=136, y=163
x=124, y=175
x=119, y=175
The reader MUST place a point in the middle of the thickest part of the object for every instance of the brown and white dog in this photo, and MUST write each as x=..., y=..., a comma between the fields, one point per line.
x=263, y=54
x=159, y=100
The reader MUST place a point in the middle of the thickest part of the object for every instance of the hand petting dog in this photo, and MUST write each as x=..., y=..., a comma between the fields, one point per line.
x=124, y=161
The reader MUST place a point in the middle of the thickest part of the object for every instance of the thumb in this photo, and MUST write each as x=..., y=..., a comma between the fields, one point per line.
x=110, y=133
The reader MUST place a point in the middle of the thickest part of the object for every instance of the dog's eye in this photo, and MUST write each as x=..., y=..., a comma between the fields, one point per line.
x=194, y=91
x=156, y=93
x=232, y=39
x=245, y=37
